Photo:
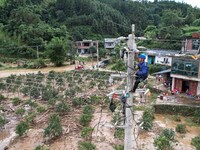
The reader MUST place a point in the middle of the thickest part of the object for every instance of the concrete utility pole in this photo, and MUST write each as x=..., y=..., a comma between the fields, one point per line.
x=129, y=124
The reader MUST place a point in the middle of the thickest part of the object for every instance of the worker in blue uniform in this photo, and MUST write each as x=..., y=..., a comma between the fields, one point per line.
x=142, y=73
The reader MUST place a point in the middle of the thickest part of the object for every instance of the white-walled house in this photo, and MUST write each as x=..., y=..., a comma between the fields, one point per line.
x=162, y=57
x=110, y=43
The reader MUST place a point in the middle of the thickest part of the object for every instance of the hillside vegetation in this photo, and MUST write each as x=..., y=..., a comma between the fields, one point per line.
x=28, y=25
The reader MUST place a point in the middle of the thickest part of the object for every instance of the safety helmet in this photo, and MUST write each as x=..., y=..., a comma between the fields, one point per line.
x=143, y=56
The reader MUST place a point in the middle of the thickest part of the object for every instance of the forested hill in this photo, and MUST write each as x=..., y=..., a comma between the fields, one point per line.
x=39, y=22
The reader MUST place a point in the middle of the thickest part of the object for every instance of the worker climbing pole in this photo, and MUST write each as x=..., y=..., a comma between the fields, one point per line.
x=128, y=94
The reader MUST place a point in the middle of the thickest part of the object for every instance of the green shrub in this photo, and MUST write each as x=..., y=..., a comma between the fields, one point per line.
x=86, y=133
x=181, y=128
x=77, y=101
x=196, y=142
x=92, y=84
x=119, y=133
x=1, y=65
x=95, y=99
x=35, y=92
x=176, y=109
x=43, y=147
x=168, y=133
x=162, y=143
x=119, y=66
x=2, y=98
x=177, y=118
x=16, y=101
x=147, y=119
x=2, y=87
x=115, y=118
x=85, y=119
x=21, y=128
x=20, y=111
x=52, y=101
x=119, y=147
x=32, y=103
x=30, y=117
x=40, y=109
x=156, y=68
x=62, y=108
x=25, y=90
x=86, y=146
x=2, y=121
x=88, y=110
x=54, y=128
x=196, y=118
x=35, y=64
x=48, y=93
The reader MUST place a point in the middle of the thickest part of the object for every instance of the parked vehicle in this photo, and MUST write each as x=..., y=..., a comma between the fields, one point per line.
x=103, y=63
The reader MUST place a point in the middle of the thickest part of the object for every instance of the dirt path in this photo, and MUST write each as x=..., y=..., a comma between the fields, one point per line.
x=103, y=134
x=6, y=73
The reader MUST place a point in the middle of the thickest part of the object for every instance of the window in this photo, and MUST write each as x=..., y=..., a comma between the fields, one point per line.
x=188, y=67
x=86, y=44
x=175, y=66
x=181, y=66
x=185, y=67
x=195, y=44
x=110, y=43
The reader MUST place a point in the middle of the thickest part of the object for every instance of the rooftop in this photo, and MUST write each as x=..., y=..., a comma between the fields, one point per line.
x=162, y=52
x=187, y=56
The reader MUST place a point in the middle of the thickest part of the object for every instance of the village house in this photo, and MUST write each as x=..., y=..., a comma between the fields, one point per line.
x=191, y=44
x=185, y=73
x=83, y=47
x=162, y=57
x=110, y=43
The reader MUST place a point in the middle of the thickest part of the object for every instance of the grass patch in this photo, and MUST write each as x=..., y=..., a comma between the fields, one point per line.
x=189, y=121
x=119, y=147
x=196, y=142
x=139, y=108
x=119, y=133
x=85, y=119
x=147, y=119
x=88, y=110
x=2, y=98
x=21, y=128
x=181, y=128
x=43, y=147
x=177, y=118
x=154, y=97
x=20, y=111
x=86, y=146
x=16, y=101
x=2, y=121
x=86, y=133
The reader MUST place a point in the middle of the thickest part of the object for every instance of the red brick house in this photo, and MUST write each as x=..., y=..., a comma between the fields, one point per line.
x=185, y=73
x=191, y=44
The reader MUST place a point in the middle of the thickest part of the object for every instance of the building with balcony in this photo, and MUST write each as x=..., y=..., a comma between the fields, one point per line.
x=110, y=43
x=83, y=47
x=185, y=73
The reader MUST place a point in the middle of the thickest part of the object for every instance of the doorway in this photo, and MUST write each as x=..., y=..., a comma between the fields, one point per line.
x=185, y=86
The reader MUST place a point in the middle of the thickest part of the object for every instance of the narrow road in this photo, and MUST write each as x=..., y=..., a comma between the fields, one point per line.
x=6, y=73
